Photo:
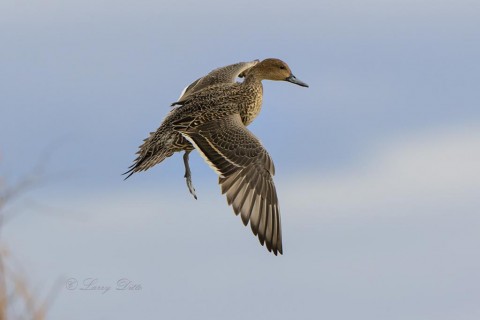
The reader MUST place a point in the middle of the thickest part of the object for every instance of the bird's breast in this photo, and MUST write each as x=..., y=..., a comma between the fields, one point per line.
x=251, y=104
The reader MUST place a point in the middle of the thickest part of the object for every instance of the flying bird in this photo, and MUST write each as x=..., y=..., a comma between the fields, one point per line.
x=211, y=116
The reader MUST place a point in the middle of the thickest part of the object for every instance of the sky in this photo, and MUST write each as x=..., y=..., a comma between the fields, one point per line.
x=377, y=162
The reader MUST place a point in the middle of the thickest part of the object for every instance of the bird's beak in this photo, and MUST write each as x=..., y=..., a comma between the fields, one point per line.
x=292, y=79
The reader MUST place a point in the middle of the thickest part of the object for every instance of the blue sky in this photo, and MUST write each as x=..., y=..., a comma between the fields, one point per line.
x=377, y=162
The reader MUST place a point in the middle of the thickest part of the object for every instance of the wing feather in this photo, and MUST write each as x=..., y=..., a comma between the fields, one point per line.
x=227, y=74
x=245, y=172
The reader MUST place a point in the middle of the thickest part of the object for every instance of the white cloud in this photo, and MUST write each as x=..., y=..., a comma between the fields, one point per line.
x=438, y=169
x=421, y=173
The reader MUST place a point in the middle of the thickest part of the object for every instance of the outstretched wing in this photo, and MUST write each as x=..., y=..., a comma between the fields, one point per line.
x=226, y=74
x=245, y=173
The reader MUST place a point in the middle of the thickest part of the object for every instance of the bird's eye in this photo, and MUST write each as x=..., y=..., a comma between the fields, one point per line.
x=282, y=67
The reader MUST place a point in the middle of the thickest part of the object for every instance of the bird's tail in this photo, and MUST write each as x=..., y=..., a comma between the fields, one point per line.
x=153, y=151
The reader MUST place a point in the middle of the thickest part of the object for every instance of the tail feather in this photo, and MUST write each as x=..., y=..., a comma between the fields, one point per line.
x=146, y=162
x=130, y=173
x=155, y=149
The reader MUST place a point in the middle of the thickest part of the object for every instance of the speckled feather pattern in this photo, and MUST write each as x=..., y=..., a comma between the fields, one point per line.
x=208, y=104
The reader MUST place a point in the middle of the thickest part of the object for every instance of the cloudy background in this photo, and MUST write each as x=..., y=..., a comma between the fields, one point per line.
x=378, y=162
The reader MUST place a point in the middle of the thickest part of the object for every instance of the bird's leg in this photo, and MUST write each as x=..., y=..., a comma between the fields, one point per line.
x=188, y=174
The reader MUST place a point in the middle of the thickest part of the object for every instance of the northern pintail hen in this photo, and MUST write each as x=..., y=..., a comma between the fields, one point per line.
x=213, y=120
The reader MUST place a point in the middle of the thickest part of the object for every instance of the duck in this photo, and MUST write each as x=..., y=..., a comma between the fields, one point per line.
x=213, y=119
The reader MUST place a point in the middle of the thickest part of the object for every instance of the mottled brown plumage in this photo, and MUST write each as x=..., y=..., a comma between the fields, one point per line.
x=227, y=74
x=213, y=120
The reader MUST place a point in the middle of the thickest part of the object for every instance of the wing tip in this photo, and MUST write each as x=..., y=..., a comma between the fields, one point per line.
x=275, y=250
